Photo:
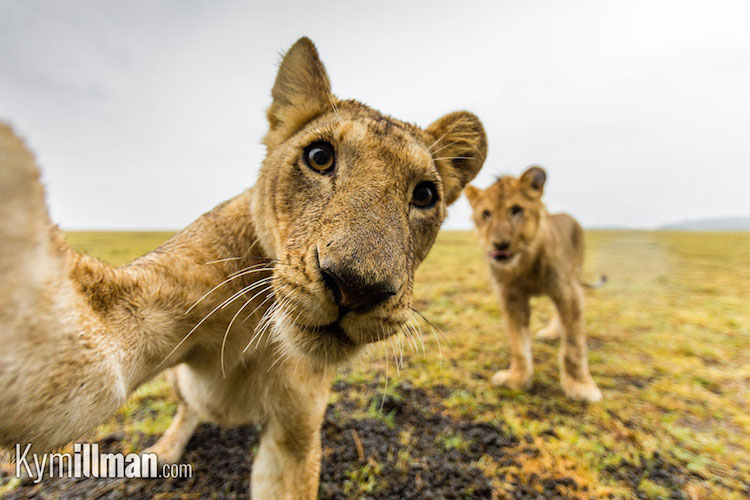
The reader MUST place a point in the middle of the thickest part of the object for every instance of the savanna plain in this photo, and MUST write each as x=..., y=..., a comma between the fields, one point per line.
x=669, y=345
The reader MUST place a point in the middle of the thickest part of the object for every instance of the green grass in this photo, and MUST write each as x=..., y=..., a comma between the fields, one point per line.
x=669, y=347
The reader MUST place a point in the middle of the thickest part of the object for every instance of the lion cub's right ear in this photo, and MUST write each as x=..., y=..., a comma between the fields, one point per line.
x=472, y=194
x=301, y=92
x=459, y=150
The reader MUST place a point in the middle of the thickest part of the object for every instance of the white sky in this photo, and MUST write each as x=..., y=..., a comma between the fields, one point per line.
x=145, y=114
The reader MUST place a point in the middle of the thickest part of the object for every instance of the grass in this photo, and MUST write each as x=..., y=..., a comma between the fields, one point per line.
x=669, y=346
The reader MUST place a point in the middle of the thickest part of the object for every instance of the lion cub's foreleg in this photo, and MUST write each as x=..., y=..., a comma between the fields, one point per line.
x=288, y=461
x=287, y=465
x=573, y=356
x=517, y=312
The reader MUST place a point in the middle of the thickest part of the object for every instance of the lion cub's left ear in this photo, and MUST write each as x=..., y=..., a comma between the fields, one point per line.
x=459, y=150
x=533, y=180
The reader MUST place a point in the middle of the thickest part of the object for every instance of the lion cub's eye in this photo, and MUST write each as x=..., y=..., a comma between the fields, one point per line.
x=319, y=156
x=516, y=210
x=486, y=214
x=424, y=195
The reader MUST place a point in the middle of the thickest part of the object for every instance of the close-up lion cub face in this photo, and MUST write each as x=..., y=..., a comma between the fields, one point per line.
x=352, y=202
x=506, y=216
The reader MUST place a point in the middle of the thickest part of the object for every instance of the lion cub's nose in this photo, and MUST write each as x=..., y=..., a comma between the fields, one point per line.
x=503, y=245
x=351, y=291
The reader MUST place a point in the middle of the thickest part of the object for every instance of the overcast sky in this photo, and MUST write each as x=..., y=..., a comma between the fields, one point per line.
x=145, y=114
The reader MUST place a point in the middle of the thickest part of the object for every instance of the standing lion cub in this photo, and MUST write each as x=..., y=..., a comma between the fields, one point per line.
x=254, y=304
x=531, y=252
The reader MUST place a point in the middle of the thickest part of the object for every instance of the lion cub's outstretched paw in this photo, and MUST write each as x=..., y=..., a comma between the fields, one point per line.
x=582, y=391
x=514, y=380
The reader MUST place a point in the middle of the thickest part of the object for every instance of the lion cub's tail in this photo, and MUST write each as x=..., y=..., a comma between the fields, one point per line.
x=598, y=284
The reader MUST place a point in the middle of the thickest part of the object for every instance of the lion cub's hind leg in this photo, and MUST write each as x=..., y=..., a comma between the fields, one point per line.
x=553, y=330
x=171, y=445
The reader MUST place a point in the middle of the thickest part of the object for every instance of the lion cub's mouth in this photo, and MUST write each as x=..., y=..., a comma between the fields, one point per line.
x=501, y=255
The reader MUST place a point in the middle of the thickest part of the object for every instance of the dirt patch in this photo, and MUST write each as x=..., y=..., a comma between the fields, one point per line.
x=656, y=470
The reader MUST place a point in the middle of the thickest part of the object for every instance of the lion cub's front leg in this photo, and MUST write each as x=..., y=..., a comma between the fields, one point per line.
x=288, y=462
x=287, y=465
x=573, y=357
x=517, y=312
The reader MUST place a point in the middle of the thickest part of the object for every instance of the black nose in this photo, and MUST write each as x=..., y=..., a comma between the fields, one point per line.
x=351, y=291
x=503, y=245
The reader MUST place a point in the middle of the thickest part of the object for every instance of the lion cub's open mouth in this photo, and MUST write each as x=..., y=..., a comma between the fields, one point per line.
x=501, y=255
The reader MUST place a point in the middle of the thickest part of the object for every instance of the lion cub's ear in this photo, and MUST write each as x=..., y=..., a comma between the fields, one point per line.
x=459, y=149
x=472, y=194
x=301, y=92
x=532, y=182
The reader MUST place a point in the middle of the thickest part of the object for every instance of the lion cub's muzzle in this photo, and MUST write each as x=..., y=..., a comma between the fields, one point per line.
x=348, y=298
x=353, y=291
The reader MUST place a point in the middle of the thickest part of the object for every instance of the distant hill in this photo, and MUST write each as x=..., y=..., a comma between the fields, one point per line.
x=716, y=224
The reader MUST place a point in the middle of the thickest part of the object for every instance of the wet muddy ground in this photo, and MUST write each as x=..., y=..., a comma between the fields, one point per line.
x=404, y=447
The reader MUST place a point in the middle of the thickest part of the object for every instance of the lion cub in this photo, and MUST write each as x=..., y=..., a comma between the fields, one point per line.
x=531, y=252
x=255, y=304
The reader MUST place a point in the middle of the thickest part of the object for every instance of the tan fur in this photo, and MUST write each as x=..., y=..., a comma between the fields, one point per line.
x=78, y=336
x=531, y=253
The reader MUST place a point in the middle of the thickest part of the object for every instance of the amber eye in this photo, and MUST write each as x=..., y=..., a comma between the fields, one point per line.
x=486, y=214
x=516, y=210
x=319, y=157
x=425, y=195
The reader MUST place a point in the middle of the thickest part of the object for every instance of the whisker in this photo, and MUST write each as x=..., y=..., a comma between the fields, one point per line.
x=222, y=260
x=285, y=321
x=401, y=342
x=419, y=336
x=432, y=328
x=282, y=315
x=409, y=339
x=270, y=296
x=223, y=283
x=248, y=288
x=454, y=158
x=385, y=389
x=220, y=306
x=443, y=147
x=432, y=325
x=265, y=321
x=254, y=266
x=262, y=324
x=217, y=261
x=229, y=327
x=441, y=137
x=273, y=324
x=418, y=328
x=398, y=356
